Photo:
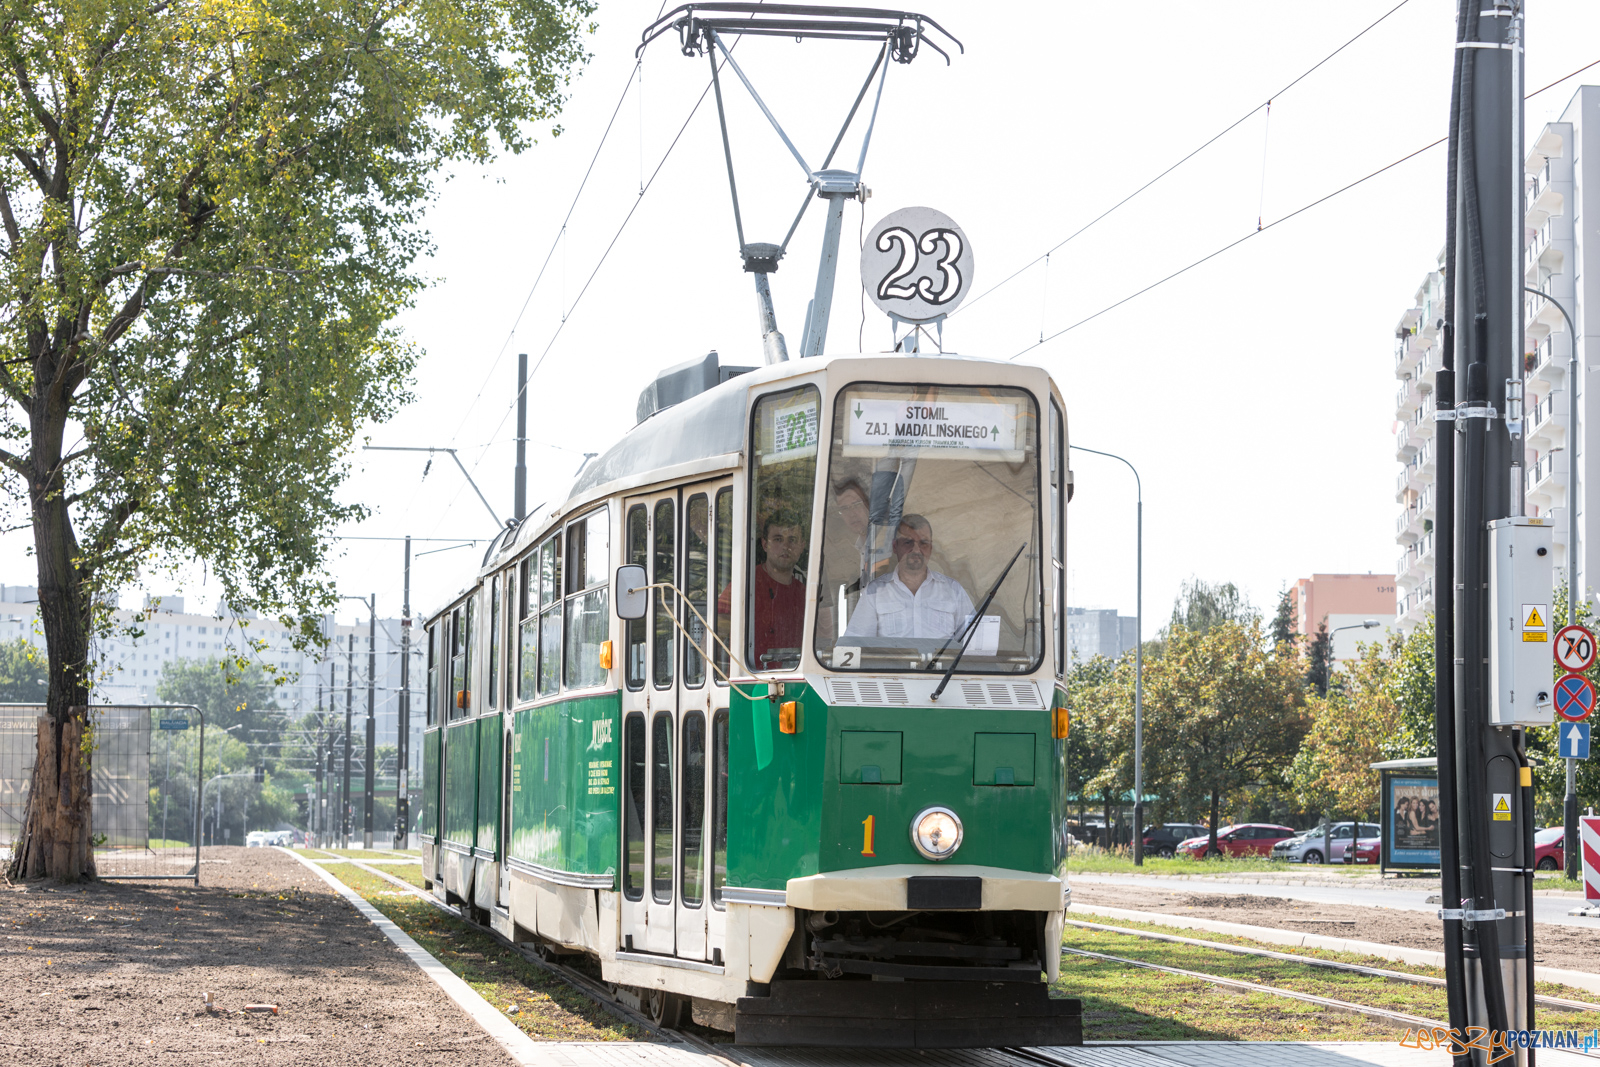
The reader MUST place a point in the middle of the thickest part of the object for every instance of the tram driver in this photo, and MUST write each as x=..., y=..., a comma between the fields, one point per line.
x=914, y=600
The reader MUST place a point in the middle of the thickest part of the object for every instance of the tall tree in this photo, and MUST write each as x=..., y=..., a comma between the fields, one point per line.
x=1283, y=621
x=1319, y=659
x=1223, y=712
x=1200, y=605
x=208, y=217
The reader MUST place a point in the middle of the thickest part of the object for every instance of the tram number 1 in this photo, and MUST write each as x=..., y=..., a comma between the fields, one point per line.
x=866, y=836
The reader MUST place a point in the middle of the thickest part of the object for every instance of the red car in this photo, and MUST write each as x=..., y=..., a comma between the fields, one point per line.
x=1366, y=850
x=1245, y=839
x=1549, y=849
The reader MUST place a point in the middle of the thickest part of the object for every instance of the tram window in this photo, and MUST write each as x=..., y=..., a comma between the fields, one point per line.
x=722, y=569
x=459, y=697
x=513, y=635
x=661, y=808
x=954, y=520
x=638, y=553
x=433, y=676
x=696, y=538
x=550, y=616
x=588, y=609
x=492, y=690
x=694, y=808
x=528, y=627
x=719, y=805
x=633, y=808
x=665, y=603
x=783, y=479
x=1058, y=518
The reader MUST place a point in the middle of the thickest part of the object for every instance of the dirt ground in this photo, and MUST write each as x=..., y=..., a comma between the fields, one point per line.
x=1568, y=947
x=115, y=973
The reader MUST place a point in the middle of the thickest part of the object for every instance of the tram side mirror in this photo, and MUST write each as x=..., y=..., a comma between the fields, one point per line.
x=632, y=598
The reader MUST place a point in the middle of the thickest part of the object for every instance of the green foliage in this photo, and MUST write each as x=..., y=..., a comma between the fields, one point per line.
x=1319, y=659
x=1201, y=605
x=1283, y=621
x=22, y=673
x=228, y=697
x=1411, y=688
x=1332, y=771
x=209, y=221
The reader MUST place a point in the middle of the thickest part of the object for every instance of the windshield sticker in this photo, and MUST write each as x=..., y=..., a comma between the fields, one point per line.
x=794, y=432
x=932, y=424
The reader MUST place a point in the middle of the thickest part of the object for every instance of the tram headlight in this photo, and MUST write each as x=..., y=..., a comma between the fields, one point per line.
x=936, y=833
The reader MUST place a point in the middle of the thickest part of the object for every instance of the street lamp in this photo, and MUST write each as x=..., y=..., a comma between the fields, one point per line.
x=1138, y=660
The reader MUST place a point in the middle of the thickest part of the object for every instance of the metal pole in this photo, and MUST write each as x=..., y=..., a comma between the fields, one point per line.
x=1569, y=807
x=369, y=779
x=827, y=270
x=349, y=724
x=520, y=504
x=402, y=794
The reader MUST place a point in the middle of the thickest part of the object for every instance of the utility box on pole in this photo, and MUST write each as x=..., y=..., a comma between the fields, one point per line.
x=1521, y=577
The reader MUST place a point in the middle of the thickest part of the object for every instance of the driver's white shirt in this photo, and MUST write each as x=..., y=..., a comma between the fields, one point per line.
x=888, y=608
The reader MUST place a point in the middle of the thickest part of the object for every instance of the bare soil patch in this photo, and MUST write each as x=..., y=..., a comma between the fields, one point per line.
x=1567, y=947
x=115, y=973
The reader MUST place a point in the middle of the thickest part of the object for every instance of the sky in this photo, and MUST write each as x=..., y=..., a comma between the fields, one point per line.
x=1254, y=393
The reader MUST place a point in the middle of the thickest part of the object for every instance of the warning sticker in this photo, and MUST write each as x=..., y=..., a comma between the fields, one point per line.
x=1502, y=807
x=1533, y=616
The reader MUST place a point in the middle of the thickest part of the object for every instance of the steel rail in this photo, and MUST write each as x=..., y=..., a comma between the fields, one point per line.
x=1352, y=968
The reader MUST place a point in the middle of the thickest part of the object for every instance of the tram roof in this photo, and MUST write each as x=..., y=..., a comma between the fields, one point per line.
x=699, y=436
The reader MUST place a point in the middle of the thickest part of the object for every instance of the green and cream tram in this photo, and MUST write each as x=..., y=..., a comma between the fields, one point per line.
x=765, y=718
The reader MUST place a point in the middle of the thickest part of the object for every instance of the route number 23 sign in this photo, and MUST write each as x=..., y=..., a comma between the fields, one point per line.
x=916, y=264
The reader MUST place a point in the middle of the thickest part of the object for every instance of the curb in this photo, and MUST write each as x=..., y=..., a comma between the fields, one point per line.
x=1274, y=936
x=518, y=1045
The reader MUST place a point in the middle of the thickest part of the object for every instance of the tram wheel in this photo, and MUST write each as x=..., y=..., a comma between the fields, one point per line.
x=665, y=1009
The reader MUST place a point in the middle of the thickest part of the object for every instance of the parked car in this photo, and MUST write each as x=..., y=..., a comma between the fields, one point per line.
x=1246, y=839
x=1550, y=849
x=1366, y=850
x=1164, y=840
x=256, y=839
x=1322, y=844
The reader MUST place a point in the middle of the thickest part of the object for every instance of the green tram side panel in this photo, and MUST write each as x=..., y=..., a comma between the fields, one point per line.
x=461, y=784
x=489, y=772
x=430, y=783
x=1057, y=772
x=790, y=815
x=566, y=767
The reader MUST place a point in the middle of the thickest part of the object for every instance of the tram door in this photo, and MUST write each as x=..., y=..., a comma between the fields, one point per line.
x=671, y=701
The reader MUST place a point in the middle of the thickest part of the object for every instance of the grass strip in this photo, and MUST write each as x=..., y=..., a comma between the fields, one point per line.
x=547, y=1008
x=1130, y=1003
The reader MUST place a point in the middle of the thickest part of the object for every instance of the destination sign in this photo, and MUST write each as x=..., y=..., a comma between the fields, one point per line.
x=936, y=424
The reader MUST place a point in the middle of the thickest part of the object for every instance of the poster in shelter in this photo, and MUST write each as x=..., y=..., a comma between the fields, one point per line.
x=1411, y=821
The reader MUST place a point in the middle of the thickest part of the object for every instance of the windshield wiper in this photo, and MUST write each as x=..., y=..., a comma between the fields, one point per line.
x=972, y=627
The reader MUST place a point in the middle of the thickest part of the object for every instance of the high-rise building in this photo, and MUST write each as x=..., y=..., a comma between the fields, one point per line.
x=1558, y=190
x=1344, y=602
x=1095, y=632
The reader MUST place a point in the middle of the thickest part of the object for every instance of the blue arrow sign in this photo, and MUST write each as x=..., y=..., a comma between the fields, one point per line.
x=1574, y=740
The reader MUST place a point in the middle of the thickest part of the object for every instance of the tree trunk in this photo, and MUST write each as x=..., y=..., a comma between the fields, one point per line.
x=1215, y=805
x=57, y=823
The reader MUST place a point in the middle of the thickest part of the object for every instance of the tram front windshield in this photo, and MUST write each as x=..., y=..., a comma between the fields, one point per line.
x=930, y=541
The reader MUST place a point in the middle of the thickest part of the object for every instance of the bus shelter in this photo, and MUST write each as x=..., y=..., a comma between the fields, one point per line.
x=1408, y=802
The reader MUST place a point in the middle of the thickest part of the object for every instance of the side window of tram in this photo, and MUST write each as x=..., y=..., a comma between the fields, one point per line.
x=694, y=807
x=664, y=603
x=661, y=808
x=722, y=567
x=528, y=616
x=588, y=605
x=638, y=553
x=1058, y=518
x=459, y=697
x=550, y=616
x=696, y=565
x=783, y=477
x=492, y=689
x=433, y=676
x=719, y=805
x=633, y=807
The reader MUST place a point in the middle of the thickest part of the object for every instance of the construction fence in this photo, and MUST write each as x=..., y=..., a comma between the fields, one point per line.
x=145, y=786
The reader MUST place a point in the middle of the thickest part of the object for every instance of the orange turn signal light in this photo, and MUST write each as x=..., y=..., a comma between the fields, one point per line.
x=463, y=699
x=605, y=655
x=789, y=717
x=1060, y=722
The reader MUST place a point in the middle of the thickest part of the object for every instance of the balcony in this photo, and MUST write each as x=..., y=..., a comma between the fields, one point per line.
x=1405, y=399
x=1406, y=352
x=1543, y=197
x=1408, y=525
x=1548, y=419
x=1405, y=444
x=1422, y=423
x=1547, y=478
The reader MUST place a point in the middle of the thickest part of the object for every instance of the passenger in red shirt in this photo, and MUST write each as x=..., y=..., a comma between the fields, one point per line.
x=778, y=599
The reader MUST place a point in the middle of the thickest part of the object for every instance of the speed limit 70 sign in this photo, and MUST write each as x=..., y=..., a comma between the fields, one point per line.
x=1574, y=648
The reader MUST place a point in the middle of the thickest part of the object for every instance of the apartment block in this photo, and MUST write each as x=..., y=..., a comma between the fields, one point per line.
x=1557, y=191
x=1345, y=602
x=1095, y=632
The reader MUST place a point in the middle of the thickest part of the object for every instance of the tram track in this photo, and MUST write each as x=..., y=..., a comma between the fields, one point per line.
x=729, y=1056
